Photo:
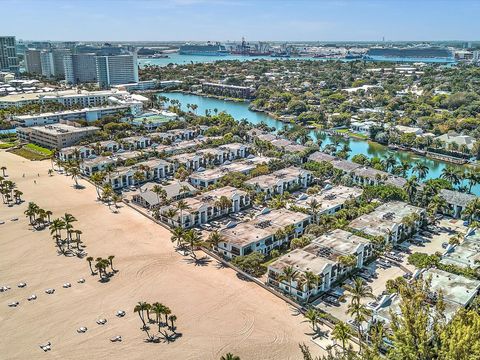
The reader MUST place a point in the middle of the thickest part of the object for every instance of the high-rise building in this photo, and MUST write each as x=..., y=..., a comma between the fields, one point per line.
x=58, y=61
x=117, y=69
x=80, y=68
x=33, y=62
x=46, y=61
x=8, y=54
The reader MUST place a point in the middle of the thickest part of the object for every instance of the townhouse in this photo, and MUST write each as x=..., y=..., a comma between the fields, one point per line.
x=262, y=233
x=135, y=142
x=75, y=153
x=456, y=202
x=330, y=200
x=394, y=221
x=151, y=170
x=207, y=206
x=323, y=256
x=174, y=190
x=204, y=178
x=288, y=179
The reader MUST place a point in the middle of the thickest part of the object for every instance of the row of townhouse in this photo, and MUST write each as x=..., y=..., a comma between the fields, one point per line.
x=178, y=136
x=330, y=200
x=393, y=221
x=360, y=175
x=323, y=257
x=207, y=206
x=146, y=197
x=278, y=182
x=211, y=156
x=278, y=142
x=203, y=178
x=261, y=234
x=93, y=164
x=151, y=170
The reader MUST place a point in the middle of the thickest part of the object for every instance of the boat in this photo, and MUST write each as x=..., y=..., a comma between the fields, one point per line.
x=208, y=49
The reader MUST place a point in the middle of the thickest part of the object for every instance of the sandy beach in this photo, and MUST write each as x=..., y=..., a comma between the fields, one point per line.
x=217, y=312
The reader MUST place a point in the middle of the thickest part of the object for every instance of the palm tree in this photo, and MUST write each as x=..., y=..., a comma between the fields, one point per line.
x=473, y=178
x=411, y=188
x=75, y=173
x=98, y=179
x=360, y=314
x=230, y=356
x=110, y=260
x=178, y=235
x=390, y=162
x=451, y=174
x=160, y=192
x=158, y=310
x=214, y=239
x=310, y=280
x=56, y=227
x=421, y=169
x=172, y=319
x=358, y=291
x=342, y=333
x=31, y=211
x=313, y=316
x=138, y=177
x=69, y=219
x=182, y=205
x=193, y=238
x=314, y=208
x=90, y=259
x=472, y=210
x=289, y=274
x=140, y=308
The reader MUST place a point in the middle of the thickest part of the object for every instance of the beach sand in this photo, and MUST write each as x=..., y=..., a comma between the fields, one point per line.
x=217, y=312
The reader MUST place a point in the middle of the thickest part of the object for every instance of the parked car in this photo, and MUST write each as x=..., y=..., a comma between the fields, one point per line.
x=444, y=245
x=207, y=227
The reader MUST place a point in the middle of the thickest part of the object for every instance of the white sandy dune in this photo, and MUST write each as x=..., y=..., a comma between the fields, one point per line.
x=217, y=312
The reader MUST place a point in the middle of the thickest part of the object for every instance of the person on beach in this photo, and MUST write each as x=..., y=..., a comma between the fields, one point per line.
x=35, y=181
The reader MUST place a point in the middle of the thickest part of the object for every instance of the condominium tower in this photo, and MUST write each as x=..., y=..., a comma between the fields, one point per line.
x=8, y=54
x=117, y=69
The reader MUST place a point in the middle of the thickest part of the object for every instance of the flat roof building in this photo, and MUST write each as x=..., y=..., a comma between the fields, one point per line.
x=55, y=136
x=259, y=234
x=387, y=221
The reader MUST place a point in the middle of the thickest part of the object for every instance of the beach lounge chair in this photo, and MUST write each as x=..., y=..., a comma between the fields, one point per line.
x=116, y=338
x=32, y=297
x=22, y=285
x=101, y=321
x=13, y=304
x=67, y=285
x=46, y=347
x=50, y=291
x=4, y=288
x=82, y=330
x=81, y=281
x=120, y=313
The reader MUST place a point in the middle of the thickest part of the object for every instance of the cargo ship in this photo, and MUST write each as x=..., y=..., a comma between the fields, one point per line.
x=208, y=49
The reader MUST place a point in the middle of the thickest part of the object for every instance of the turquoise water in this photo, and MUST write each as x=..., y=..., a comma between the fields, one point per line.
x=188, y=59
x=8, y=131
x=241, y=111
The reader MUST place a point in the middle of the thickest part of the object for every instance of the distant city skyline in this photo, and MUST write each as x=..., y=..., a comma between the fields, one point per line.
x=222, y=20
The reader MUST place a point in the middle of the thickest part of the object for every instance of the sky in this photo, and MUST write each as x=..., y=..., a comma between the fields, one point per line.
x=221, y=20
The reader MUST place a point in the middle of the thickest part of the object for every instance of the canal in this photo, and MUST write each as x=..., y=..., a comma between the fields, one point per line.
x=241, y=111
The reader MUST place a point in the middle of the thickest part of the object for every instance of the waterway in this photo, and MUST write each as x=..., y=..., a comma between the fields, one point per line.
x=241, y=111
x=176, y=58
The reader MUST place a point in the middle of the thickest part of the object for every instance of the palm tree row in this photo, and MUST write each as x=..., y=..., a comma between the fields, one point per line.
x=72, y=235
x=38, y=217
x=9, y=192
x=102, y=265
x=163, y=318
x=184, y=237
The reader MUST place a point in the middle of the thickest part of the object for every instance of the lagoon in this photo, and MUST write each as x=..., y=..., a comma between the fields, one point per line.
x=240, y=110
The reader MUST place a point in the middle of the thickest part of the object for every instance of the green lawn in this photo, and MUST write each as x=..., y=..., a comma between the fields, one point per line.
x=33, y=152
x=6, y=145
x=39, y=149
